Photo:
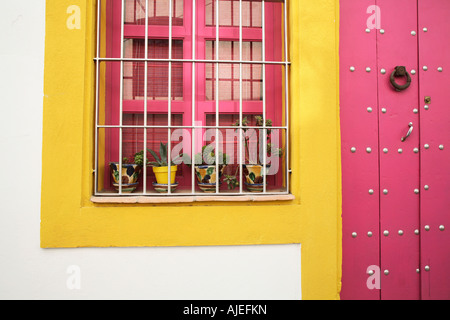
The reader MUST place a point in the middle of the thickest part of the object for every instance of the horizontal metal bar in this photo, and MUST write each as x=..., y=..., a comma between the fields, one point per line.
x=186, y=127
x=192, y=60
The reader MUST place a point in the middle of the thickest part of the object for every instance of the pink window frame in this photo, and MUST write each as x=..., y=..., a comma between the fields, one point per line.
x=273, y=76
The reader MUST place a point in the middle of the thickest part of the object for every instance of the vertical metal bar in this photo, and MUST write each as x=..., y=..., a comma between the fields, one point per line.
x=169, y=144
x=240, y=99
x=263, y=21
x=193, y=97
x=286, y=95
x=217, y=98
x=97, y=70
x=144, y=164
x=121, y=96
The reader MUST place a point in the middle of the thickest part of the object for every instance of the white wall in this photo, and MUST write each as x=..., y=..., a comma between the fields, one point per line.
x=28, y=272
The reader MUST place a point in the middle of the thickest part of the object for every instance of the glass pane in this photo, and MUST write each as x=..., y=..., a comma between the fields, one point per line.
x=229, y=13
x=274, y=99
x=158, y=12
x=158, y=72
x=251, y=23
x=110, y=32
x=229, y=50
x=157, y=48
x=158, y=81
x=134, y=89
x=134, y=12
x=133, y=80
x=229, y=73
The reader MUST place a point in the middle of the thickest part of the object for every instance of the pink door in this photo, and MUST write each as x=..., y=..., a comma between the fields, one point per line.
x=395, y=245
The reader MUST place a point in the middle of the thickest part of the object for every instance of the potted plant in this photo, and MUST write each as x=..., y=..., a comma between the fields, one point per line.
x=129, y=174
x=205, y=168
x=253, y=168
x=231, y=180
x=161, y=169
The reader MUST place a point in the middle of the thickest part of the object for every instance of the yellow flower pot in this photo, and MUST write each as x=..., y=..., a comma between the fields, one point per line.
x=162, y=174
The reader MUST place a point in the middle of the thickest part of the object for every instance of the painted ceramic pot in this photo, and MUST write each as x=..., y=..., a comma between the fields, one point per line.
x=162, y=179
x=254, y=177
x=162, y=188
x=129, y=176
x=126, y=188
x=206, y=177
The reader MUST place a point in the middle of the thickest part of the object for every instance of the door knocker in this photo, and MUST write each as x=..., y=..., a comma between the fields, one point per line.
x=399, y=72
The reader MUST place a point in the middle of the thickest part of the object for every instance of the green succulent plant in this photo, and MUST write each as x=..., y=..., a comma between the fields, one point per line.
x=231, y=180
x=161, y=160
x=259, y=123
x=208, y=156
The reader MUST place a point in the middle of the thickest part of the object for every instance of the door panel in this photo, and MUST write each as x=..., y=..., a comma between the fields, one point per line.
x=399, y=164
x=434, y=44
x=359, y=131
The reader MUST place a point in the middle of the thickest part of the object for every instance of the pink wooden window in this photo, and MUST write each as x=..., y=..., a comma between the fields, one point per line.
x=181, y=74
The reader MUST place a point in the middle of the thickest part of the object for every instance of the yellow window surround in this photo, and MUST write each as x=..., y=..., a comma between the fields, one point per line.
x=70, y=218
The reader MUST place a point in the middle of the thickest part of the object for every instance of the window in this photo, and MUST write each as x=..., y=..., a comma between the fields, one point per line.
x=201, y=82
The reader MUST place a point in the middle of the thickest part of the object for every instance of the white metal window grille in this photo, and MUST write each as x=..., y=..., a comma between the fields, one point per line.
x=100, y=168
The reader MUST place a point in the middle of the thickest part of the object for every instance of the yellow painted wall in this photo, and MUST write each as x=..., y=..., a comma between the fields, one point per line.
x=70, y=219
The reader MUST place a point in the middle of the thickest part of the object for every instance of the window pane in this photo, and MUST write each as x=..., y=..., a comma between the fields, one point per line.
x=109, y=104
x=252, y=22
x=158, y=12
x=229, y=13
x=158, y=72
x=135, y=12
x=229, y=73
x=273, y=101
x=157, y=48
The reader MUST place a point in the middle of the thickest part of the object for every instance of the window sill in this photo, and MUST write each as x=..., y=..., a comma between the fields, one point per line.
x=190, y=199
